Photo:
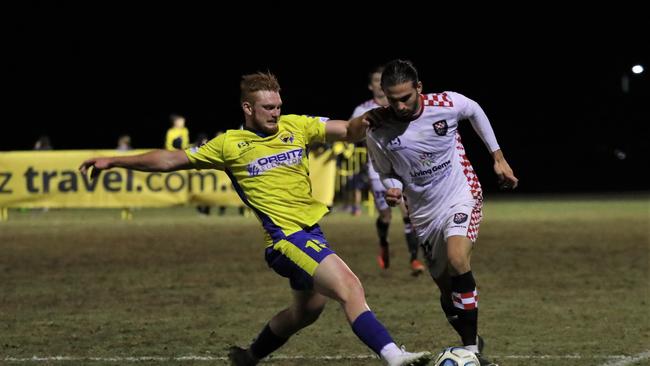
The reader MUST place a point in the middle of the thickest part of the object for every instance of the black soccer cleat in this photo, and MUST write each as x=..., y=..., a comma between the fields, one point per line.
x=240, y=357
x=484, y=361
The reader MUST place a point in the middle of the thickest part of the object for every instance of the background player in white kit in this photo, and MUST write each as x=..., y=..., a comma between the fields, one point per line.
x=415, y=147
x=378, y=191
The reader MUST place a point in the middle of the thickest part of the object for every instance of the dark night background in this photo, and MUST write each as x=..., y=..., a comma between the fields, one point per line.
x=84, y=74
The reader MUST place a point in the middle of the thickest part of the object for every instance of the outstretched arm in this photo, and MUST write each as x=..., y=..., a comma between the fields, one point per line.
x=350, y=131
x=153, y=161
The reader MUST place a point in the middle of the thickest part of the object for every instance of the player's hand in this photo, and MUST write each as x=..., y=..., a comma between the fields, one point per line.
x=393, y=196
x=507, y=179
x=371, y=118
x=95, y=166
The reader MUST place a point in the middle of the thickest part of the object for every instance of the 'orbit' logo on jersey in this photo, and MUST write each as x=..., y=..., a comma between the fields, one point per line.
x=260, y=165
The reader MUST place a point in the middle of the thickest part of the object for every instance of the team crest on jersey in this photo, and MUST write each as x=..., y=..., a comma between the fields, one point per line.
x=459, y=218
x=243, y=144
x=440, y=127
x=396, y=144
x=286, y=137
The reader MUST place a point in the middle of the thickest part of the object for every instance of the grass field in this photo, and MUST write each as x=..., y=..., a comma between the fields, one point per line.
x=563, y=281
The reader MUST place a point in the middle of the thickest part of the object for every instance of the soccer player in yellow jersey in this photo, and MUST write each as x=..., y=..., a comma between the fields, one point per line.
x=177, y=137
x=267, y=163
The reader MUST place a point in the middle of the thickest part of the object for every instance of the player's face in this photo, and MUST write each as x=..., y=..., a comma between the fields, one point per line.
x=264, y=111
x=404, y=99
x=375, y=86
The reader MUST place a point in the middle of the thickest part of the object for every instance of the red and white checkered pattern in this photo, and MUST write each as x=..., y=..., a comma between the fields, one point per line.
x=475, y=189
x=474, y=223
x=465, y=300
x=438, y=100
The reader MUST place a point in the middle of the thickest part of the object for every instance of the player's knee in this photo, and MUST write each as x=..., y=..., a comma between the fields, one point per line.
x=458, y=263
x=310, y=314
x=350, y=288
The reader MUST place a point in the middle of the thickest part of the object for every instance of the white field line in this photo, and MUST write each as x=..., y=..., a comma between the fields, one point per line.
x=628, y=360
x=611, y=360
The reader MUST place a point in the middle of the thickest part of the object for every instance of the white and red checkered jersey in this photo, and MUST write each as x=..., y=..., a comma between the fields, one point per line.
x=359, y=110
x=425, y=157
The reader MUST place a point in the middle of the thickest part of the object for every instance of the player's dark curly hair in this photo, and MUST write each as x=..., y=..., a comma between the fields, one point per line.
x=399, y=72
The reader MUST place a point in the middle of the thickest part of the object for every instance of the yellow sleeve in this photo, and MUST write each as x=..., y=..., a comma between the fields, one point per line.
x=315, y=129
x=168, y=140
x=186, y=138
x=210, y=155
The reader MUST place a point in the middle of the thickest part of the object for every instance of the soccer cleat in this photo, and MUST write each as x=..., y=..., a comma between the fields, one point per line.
x=383, y=258
x=416, y=268
x=411, y=359
x=481, y=344
x=355, y=211
x=240, y=357
x=484, y=361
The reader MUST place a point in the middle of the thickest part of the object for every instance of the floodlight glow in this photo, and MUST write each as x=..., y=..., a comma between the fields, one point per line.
x=637, y=69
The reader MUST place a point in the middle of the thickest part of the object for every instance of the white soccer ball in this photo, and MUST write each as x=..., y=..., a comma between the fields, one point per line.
x=456, y=356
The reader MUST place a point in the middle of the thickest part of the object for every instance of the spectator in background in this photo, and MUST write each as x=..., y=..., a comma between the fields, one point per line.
x=124, y=143
x=43, y=143
x=178, y=137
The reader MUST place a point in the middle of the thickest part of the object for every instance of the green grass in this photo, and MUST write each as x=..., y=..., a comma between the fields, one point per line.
x=558, y=276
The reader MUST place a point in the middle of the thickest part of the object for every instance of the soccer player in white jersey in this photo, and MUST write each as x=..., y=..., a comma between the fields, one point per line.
x=415, y=147
x=378, y=191
x=267, y=163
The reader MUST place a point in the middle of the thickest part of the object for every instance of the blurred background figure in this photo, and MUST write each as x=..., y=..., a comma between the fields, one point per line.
x=178, y=137
x=378, y=191
x=321, y=154
x=43, y=143
x=124, y=143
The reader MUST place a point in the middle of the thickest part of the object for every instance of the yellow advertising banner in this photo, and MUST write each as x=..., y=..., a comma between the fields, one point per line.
x=51, y=179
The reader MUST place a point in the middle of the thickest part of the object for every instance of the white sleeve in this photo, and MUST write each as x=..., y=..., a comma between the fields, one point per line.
x=382, y=164
x=357, y=112
x=469, y=109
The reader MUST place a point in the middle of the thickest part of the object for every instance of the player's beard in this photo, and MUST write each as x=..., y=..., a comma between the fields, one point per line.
x=271, y=127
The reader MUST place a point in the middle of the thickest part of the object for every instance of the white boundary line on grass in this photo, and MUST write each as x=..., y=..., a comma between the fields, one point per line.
x=628, y=360
x=613, y=360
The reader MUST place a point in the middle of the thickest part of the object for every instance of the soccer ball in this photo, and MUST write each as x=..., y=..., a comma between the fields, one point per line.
x=456, y=356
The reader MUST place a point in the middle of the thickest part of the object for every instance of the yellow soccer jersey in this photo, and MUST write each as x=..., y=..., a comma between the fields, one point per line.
x=270, y=174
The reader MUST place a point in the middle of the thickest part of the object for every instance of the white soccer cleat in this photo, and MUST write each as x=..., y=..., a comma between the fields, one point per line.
x=410, y=359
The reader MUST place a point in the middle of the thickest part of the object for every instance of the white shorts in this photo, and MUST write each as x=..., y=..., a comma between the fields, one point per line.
x=462, y=219
x=379, y=192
